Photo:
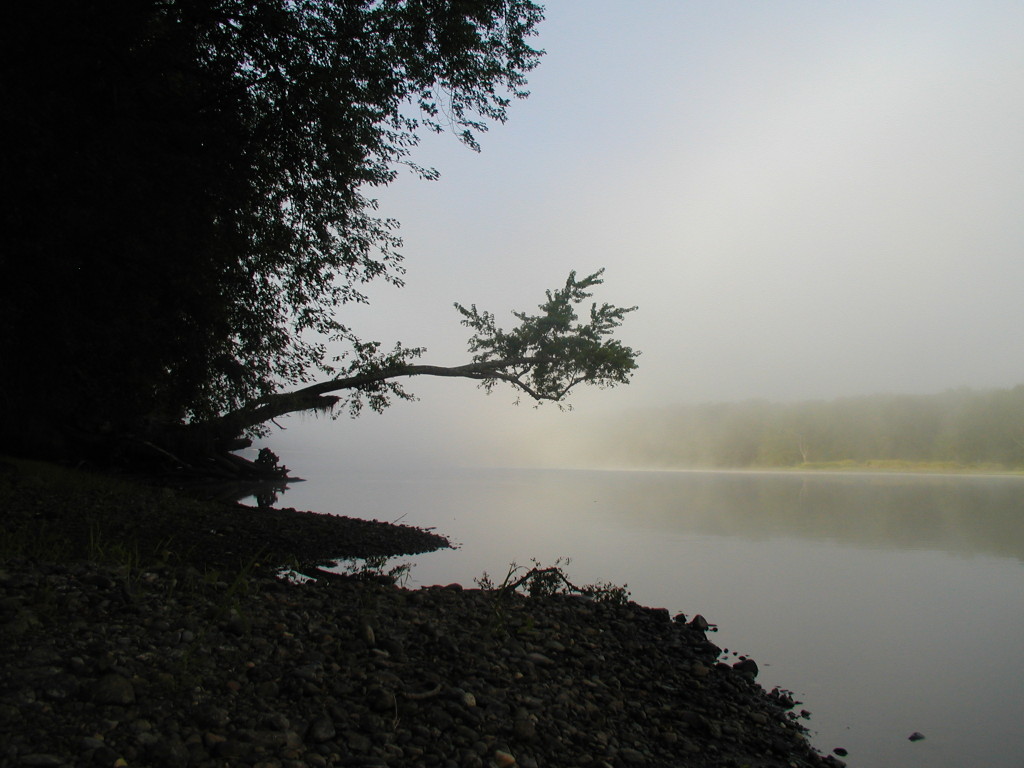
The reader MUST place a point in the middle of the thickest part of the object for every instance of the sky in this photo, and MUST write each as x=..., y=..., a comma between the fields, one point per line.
x=806, y=199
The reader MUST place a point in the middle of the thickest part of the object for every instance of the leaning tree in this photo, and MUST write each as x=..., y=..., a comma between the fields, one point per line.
x=191, y=206
x=545, y=356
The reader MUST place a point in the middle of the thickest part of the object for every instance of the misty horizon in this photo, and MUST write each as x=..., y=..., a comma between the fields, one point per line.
x=806, y=202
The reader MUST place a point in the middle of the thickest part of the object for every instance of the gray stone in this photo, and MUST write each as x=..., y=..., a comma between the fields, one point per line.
x=105, y=756
x=541, y=659
x=369, y=636
x=357, y=742
x=41, y=760
x=269, y=739
x=309, y=672
x=699, y=670
x=380, y=700
x=321, y=730
x=524, y=728
x=275, y=721
x=169, y=752
x=746, y=667
x=113, y=688
x=210, y=716
x=632, y=756
x=234, y=749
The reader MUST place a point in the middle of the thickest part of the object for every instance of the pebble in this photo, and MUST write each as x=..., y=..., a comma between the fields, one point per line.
x=524, y=729
x=113, y=689
x=321, y=730
x=503, y=759
x=746, y=667
x=290, y=676
x=540, y=658
x=699, y=670
x=41, y=760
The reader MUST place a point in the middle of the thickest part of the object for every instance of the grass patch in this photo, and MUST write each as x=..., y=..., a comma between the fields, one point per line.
x=61, y=514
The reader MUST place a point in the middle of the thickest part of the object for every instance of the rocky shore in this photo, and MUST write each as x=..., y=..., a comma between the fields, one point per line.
x=180, y=664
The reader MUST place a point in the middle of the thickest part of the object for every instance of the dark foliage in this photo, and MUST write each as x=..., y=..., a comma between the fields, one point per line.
x=188, y=190
x=546, y=356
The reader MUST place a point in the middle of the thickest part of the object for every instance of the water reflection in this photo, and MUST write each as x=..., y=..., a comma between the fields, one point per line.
x=959, y=514
x=955, y=514
x=379, y=568
x=263, y=494
x=889, y=603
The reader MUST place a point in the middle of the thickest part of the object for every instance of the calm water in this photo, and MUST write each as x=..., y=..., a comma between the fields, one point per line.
x=887, y=603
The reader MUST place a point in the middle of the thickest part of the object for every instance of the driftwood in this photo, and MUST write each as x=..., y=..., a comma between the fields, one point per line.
x=435, y=691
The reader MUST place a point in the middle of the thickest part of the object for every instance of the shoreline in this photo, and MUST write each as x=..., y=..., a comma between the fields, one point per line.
x=181, y=661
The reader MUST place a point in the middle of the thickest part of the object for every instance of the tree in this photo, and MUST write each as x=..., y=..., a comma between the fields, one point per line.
x=193, y=209
x=190, y=186
x=546, y=356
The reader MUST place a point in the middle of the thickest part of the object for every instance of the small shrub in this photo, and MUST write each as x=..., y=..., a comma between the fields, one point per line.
x=544, y=581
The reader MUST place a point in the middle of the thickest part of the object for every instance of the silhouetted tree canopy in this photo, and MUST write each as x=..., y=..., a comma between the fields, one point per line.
x=545, y=356
x=190, y=186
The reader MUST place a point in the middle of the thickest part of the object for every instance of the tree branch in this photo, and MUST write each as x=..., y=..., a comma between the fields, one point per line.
x=317, y=396
x=545, y=356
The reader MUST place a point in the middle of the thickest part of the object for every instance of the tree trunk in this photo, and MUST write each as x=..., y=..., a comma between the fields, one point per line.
x=234, y=424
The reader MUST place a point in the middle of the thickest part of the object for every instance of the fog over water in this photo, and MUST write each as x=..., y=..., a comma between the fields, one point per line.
x=888, y=603
x=805, y=199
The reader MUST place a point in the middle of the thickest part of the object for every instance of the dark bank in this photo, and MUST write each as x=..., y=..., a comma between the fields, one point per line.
x=127, y=645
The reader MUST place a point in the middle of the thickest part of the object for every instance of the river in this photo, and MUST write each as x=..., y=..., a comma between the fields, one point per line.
x=887, y=603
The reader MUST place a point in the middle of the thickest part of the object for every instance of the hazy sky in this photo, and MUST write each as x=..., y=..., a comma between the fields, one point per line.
x=806, y=199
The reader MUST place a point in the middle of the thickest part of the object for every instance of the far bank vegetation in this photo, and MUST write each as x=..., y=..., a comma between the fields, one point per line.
x=954, y=430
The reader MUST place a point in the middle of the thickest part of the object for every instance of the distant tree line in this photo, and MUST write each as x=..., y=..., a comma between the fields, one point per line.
x=960, y=427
